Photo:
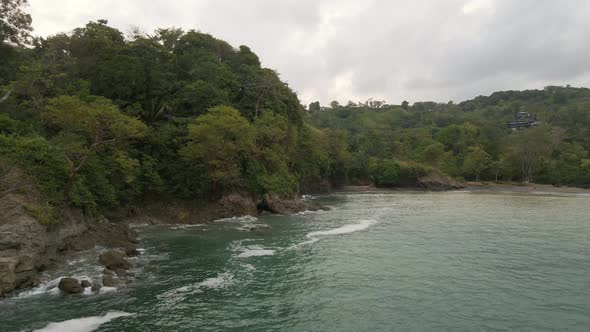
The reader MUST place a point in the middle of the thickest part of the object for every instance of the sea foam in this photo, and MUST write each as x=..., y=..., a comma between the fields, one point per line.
x=243, y=219
x=351, y=228
x=85, y=324
x=362, y=225
x=176, y=295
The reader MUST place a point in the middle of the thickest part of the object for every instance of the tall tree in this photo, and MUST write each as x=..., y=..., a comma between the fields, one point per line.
x=222, y=140
x=87, y=127
x=15, y=24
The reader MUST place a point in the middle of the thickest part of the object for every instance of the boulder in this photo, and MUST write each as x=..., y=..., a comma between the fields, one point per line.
x=113, y=260
x=85, y=283
x=109, y=280
x=121, y=273
x=237, y=205
x=95, y=288
x=438, y=181
x=275, y=204
x=131, y=252
x=70, y=286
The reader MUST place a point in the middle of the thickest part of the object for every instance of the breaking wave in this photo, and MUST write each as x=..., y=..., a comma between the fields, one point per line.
x=85, y=324
x=176, y=295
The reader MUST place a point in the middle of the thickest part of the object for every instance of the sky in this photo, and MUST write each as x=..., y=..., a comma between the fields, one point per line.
x=420, y=50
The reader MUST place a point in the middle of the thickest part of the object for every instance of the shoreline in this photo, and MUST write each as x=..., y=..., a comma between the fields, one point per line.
x=483, y=187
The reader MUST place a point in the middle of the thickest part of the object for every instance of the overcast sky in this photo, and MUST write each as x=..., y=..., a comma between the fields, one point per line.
x=390, y=50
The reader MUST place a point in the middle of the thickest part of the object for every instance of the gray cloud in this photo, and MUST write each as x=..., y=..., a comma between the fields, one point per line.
x=354, y=50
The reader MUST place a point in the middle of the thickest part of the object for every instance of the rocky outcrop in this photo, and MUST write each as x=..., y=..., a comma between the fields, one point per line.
x=236, y=205
x=116, y=269
x=70, y=286
x=28, y=247
x=114, y=260
x=438, y=181
x=96, y=287
x=275, y=204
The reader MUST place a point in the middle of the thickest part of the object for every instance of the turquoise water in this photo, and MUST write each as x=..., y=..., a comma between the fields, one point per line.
x=376, y=262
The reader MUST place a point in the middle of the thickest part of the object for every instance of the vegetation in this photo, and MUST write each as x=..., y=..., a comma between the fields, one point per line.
x=469, y=140
x=99, y=120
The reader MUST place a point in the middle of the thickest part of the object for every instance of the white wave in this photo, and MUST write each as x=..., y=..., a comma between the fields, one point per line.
x=245, y=219
x=176, y=295
x=362, y=225
x=315, y=236
x=248, y=267
x=85, y=324
x=252, y=227
x=181, y=226
x=49, y=287
x=256, y=252
x=250, y=251
x=295, y=246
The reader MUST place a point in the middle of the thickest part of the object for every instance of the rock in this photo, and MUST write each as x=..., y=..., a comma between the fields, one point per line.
x=438, y=181
x=85, y=283
x=95, y=288
x=113, y=260
x=109, y=280
x=131, y=252
x=121, y=273
x=275, y=204
x=113, y=281
x=7, y=276
x=237, y=205
x=70, y=286
x=108, y=272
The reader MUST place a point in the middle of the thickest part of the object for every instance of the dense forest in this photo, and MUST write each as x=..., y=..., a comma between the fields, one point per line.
x=469, y=140
x=99, y=119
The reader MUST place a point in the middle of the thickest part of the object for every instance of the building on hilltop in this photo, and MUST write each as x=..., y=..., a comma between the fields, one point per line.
x=523, y=120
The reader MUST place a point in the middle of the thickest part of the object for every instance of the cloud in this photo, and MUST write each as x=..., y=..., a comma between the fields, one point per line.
x=355, y=50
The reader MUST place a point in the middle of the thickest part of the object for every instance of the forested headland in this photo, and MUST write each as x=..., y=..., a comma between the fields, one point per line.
x=99, y=119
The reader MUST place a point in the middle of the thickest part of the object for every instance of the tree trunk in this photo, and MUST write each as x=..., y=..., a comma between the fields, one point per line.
x=3, y=99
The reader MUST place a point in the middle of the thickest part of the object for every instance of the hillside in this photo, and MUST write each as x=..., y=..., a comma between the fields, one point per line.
x=469, y=140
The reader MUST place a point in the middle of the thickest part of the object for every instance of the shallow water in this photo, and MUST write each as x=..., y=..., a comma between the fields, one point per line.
x=376, y=262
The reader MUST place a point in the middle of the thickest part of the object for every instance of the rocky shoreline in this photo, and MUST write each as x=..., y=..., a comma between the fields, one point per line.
x=28, y=248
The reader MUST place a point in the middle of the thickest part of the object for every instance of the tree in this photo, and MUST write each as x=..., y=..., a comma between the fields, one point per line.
x=500, y=167
x=384, y=172
x=87, y=127
x=405, y=105
x=476, y=161
x=15, y=24
x=334, y=104
x=222, y=140
x=433, y=153
x=527, y=148
x=314, y=107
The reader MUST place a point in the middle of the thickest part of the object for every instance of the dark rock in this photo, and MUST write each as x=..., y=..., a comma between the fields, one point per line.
x=438, y=181
x=131, y=252
x=109, y=280
x=114, y=260
x=113, y=281
x=70, y=286
x=236, y=205
x=275, y=204
x=95, y=288
x=85, y=283
x=108, y=272
x=121, y=273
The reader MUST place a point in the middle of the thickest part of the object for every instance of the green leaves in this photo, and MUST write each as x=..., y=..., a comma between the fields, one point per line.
x=98, y=120
x=222, y=139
